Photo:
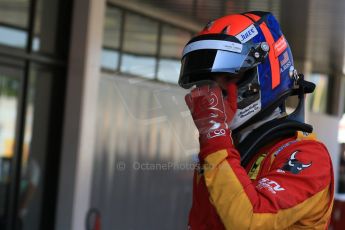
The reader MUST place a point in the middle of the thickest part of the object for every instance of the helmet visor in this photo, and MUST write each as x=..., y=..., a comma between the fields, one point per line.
x=204, y=57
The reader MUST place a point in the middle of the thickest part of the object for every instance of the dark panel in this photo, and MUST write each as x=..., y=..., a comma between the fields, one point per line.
x=52, y=28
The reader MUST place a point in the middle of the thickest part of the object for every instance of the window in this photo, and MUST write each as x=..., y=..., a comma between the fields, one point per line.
x=31, y=104
x=111, y=39
x=9, y=99
x=317, y=102
x=173, y=42
x=14, y=12
x=45, y=17
x=47, y=36
x=142, y=46
x=14, y=22
x=139, y=46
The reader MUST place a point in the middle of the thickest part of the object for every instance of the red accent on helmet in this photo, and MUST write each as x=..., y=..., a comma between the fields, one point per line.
x=235, y=24
x=274, y=61
x=254, y=17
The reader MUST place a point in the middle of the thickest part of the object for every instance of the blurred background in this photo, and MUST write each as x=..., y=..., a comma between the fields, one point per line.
x=94, y=132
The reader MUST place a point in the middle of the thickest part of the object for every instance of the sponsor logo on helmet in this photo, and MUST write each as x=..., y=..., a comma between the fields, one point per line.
x=280, y=46
x=212, y=44
x=269, y=185
x=243, y=115
x=293, y=165
x=285, y=62
x=247, y=34
x=249, y=110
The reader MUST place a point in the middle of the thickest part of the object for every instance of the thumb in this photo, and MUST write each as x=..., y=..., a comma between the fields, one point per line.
x=196, y=94
x=189, y=101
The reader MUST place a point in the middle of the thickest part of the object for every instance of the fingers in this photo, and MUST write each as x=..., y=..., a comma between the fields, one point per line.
x=200, y=91
x=203, y=98
x=196, y=93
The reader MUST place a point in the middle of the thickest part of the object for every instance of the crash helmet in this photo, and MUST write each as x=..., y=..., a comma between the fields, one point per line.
x=250, y=49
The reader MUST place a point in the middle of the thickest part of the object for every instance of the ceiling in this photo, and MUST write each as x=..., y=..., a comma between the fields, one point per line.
x=315, y=29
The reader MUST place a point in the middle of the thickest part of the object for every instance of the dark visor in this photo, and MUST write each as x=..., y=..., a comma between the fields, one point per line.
x=203, y=57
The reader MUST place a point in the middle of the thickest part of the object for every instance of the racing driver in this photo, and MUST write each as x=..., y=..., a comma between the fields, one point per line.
x=259, y=167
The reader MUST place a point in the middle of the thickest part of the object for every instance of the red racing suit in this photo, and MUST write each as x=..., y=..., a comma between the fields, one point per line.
x=288, y=185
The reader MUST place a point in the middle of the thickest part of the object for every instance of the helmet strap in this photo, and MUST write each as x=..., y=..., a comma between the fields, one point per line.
x=266, y=134
x=302, y=87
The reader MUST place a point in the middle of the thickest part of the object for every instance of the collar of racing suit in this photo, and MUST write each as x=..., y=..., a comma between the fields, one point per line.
x=268, y=132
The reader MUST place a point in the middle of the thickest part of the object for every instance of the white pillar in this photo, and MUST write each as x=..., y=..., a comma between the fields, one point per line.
x=80, y=114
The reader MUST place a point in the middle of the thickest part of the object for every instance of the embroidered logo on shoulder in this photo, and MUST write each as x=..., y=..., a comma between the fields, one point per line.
x=293, y=165
x=270, y=185
x=247, y=34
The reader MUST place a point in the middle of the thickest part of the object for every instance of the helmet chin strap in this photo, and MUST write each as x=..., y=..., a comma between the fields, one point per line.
x=301, y=88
